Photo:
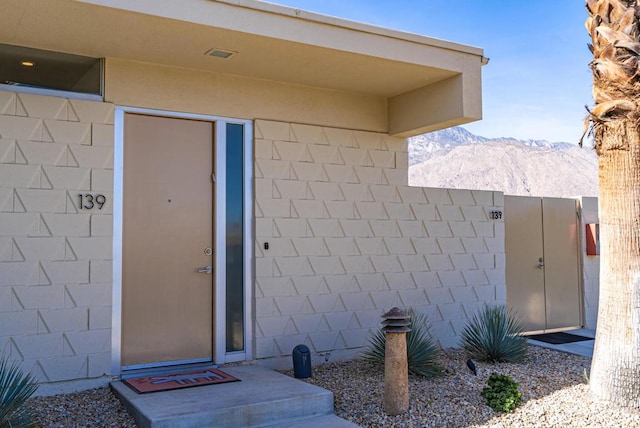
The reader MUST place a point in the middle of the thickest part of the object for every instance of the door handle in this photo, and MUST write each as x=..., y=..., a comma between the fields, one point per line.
x=207, y=269
x=541, y=263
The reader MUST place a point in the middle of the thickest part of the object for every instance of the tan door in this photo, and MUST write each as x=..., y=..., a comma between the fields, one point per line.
x=167, y=228
x=562, y=282
x=541, y=245
x=524, y=250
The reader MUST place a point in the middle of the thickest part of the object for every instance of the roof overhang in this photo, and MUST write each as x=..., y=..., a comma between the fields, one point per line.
x=429, y=83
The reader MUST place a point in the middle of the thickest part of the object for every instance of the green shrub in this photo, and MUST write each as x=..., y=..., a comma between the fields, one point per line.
x=421, y=348
x=15, y=388
x=502, y=393
x=494, y=335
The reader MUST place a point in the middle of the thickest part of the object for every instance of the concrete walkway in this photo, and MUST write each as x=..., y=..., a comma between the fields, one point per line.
x=584, y=348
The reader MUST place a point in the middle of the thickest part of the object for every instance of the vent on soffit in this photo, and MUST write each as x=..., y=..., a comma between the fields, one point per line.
x=220, y=53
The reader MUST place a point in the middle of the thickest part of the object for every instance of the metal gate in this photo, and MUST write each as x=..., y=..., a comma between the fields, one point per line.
x=542, y=262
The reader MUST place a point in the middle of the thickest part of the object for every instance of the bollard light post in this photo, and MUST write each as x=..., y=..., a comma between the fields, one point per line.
x=396, y=372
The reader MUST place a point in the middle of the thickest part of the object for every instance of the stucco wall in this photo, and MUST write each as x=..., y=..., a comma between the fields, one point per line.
x=590, y=265
x=55, y=259
x=349, y=239
x=138, y=84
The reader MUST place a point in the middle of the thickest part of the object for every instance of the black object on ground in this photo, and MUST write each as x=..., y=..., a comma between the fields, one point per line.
x=301, y=362
x=472, y=366
x=558, y=338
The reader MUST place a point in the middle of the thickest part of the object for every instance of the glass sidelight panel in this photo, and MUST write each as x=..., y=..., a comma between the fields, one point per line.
x=235, y=238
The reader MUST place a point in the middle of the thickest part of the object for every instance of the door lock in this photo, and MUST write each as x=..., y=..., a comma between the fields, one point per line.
x=540, y=263
x=208, y=251
x=207, y=269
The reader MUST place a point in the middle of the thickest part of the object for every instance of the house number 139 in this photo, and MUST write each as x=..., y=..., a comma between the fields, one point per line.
x=89, y=201
x=495, y=215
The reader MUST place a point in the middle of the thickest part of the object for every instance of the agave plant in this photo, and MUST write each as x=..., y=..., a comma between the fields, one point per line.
x=494, y=335
x=15, y=388
x=421, y=348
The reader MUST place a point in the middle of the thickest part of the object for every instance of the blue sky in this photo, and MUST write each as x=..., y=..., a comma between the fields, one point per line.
x=537, y=82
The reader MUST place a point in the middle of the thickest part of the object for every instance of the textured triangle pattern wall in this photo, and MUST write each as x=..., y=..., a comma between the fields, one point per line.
x=349, y=239
x=55, y=259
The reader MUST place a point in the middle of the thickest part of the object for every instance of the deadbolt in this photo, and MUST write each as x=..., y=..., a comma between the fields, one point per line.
x=208, y=251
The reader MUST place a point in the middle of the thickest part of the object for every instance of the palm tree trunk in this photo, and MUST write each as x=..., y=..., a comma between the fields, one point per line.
x=615, y=368
x=615, y=125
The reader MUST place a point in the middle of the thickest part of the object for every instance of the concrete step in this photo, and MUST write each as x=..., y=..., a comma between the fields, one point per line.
x=261, y=398
x=327, y=421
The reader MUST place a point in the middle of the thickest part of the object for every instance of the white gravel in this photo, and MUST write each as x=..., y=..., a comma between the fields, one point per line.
x=553, y=385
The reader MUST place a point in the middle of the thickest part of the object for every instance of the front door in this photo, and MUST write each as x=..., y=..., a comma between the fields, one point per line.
x=167, y=288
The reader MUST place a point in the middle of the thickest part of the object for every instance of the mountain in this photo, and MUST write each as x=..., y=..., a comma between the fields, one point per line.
x=456, y=158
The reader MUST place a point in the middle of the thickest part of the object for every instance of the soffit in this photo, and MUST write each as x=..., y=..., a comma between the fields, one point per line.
x=273, y=42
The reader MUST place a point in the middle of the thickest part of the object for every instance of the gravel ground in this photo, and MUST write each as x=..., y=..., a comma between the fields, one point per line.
x=92, y=408
x=553, y=386
x=554, y=389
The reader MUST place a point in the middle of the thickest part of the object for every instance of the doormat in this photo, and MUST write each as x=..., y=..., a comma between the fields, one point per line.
x=558, y=338
x=169, y=381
